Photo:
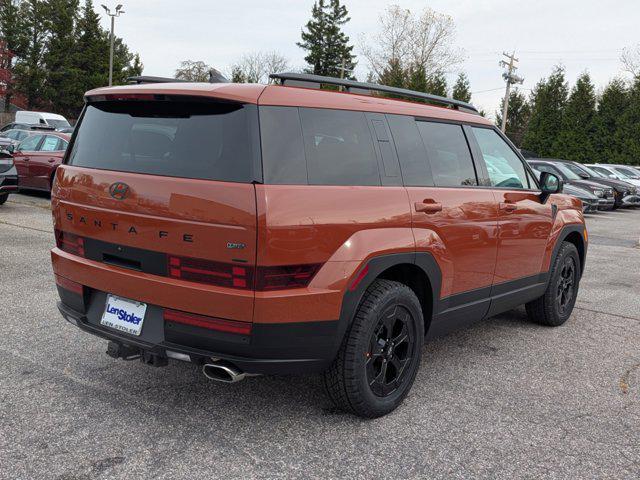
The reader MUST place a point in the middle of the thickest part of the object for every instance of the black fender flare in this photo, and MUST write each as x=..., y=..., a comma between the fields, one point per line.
x=562, y=236
x=374, y=267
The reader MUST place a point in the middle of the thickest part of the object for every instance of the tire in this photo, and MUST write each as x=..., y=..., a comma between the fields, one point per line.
x=3, y=198
x=387, y=333
x=555, y=306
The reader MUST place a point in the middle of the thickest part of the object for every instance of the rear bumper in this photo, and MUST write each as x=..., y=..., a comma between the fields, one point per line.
x=288, y=348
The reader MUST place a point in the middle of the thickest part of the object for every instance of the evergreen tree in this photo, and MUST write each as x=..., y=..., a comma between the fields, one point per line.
x=613, y=103
x=547, y=103
x=416, y=78
x=437, y=85
x=326, y=44
x=92, y=52
x=517, y=116
x=462, y=89
x=12, y=43
x=62, y=80
x=628, y=132
x=575, y=140
x=29, y=70
x=237, y=75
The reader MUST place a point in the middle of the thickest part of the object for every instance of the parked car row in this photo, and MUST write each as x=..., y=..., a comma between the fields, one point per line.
x=32, y=163
x=600, y=187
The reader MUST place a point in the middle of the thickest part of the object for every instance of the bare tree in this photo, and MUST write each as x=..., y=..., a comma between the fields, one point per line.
x=424, y=41
x=256, y=67
x=631, y=60
x=193, y=71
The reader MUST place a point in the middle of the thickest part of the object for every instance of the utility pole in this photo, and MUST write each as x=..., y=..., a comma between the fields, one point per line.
x=511, y=78
x=113, y=17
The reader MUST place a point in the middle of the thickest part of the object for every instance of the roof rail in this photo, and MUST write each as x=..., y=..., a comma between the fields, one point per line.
x=214, y=77
x=314, y=81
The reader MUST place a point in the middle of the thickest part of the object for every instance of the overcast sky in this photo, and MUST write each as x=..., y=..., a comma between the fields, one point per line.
x=580, y=34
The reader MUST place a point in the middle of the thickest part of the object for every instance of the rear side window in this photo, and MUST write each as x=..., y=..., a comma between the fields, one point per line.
x=448, y=153
x=505, y=169
x=50, y=144
x=339, y=148
x=190, y=139
x=416, y=171
x=282, y=146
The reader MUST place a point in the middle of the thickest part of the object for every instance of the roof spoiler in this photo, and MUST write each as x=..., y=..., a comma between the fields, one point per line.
x=315, y=81
x=214, y=77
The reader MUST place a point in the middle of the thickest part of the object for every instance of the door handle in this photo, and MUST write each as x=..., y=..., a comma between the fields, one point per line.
x=428, y=206
x=51, y=160
x=508, y=207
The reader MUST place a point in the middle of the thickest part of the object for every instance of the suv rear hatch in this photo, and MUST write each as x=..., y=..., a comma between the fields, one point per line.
x=157, y=195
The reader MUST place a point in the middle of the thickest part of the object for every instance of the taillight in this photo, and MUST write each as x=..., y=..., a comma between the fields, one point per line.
x=70, y=243
x=285, y=276
x=213, y=273
x=211, y=323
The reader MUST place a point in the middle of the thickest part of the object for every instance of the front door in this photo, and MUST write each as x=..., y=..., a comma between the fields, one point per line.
x=452, y=217
x=524, y=221
x=43, y=162
x=22, y=159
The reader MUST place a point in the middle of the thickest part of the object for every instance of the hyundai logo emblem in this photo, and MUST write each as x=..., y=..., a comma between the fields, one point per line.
x=119, y=190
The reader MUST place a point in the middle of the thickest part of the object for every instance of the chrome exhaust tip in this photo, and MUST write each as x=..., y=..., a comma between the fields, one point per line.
x=222, y=371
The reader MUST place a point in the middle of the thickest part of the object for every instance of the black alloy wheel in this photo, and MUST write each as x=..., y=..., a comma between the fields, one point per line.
x=390, y=350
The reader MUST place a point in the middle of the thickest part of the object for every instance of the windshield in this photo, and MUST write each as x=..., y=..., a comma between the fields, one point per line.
x=188, y=139
x=58, y=123
x=578, y=170
x=626, y=172
x=566, y=172
x=592, y=172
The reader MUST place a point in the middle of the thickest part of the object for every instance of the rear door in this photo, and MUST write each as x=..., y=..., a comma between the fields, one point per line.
x=442, y=184
x=22, y=159
x=166, y=188
x=524, y=223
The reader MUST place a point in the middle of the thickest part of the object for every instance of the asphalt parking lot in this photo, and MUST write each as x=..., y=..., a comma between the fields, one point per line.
x=501, y=399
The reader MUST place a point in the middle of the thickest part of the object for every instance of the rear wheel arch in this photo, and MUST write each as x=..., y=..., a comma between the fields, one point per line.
x=419, y=271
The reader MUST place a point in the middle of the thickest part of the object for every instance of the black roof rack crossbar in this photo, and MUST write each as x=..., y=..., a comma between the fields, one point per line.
x=314, y=81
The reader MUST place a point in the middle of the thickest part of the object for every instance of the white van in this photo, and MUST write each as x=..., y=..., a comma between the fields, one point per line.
x=42, y=118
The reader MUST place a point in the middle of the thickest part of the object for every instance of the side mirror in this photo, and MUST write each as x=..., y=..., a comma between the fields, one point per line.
x=11, y=148
x=583, y=176
x=549, y=184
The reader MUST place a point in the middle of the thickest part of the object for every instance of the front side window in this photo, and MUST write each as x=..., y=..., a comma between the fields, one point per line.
x=30, y=144
x=338, y=147
x=448, y=154
x=505, y=169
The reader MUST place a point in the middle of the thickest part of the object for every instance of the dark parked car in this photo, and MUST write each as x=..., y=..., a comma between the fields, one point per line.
x=589, y=201
x=37, y=158
x=625, y=193
x=558, y=168
x=8, y=176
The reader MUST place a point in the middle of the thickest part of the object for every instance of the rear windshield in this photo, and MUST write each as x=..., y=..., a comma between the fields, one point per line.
x=58, y=123
x=189, y=139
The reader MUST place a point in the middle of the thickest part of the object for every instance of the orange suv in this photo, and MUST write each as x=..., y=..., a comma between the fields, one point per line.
x=278, y=229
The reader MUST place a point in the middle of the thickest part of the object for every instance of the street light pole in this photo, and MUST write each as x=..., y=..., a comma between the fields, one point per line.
x=113, y=16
